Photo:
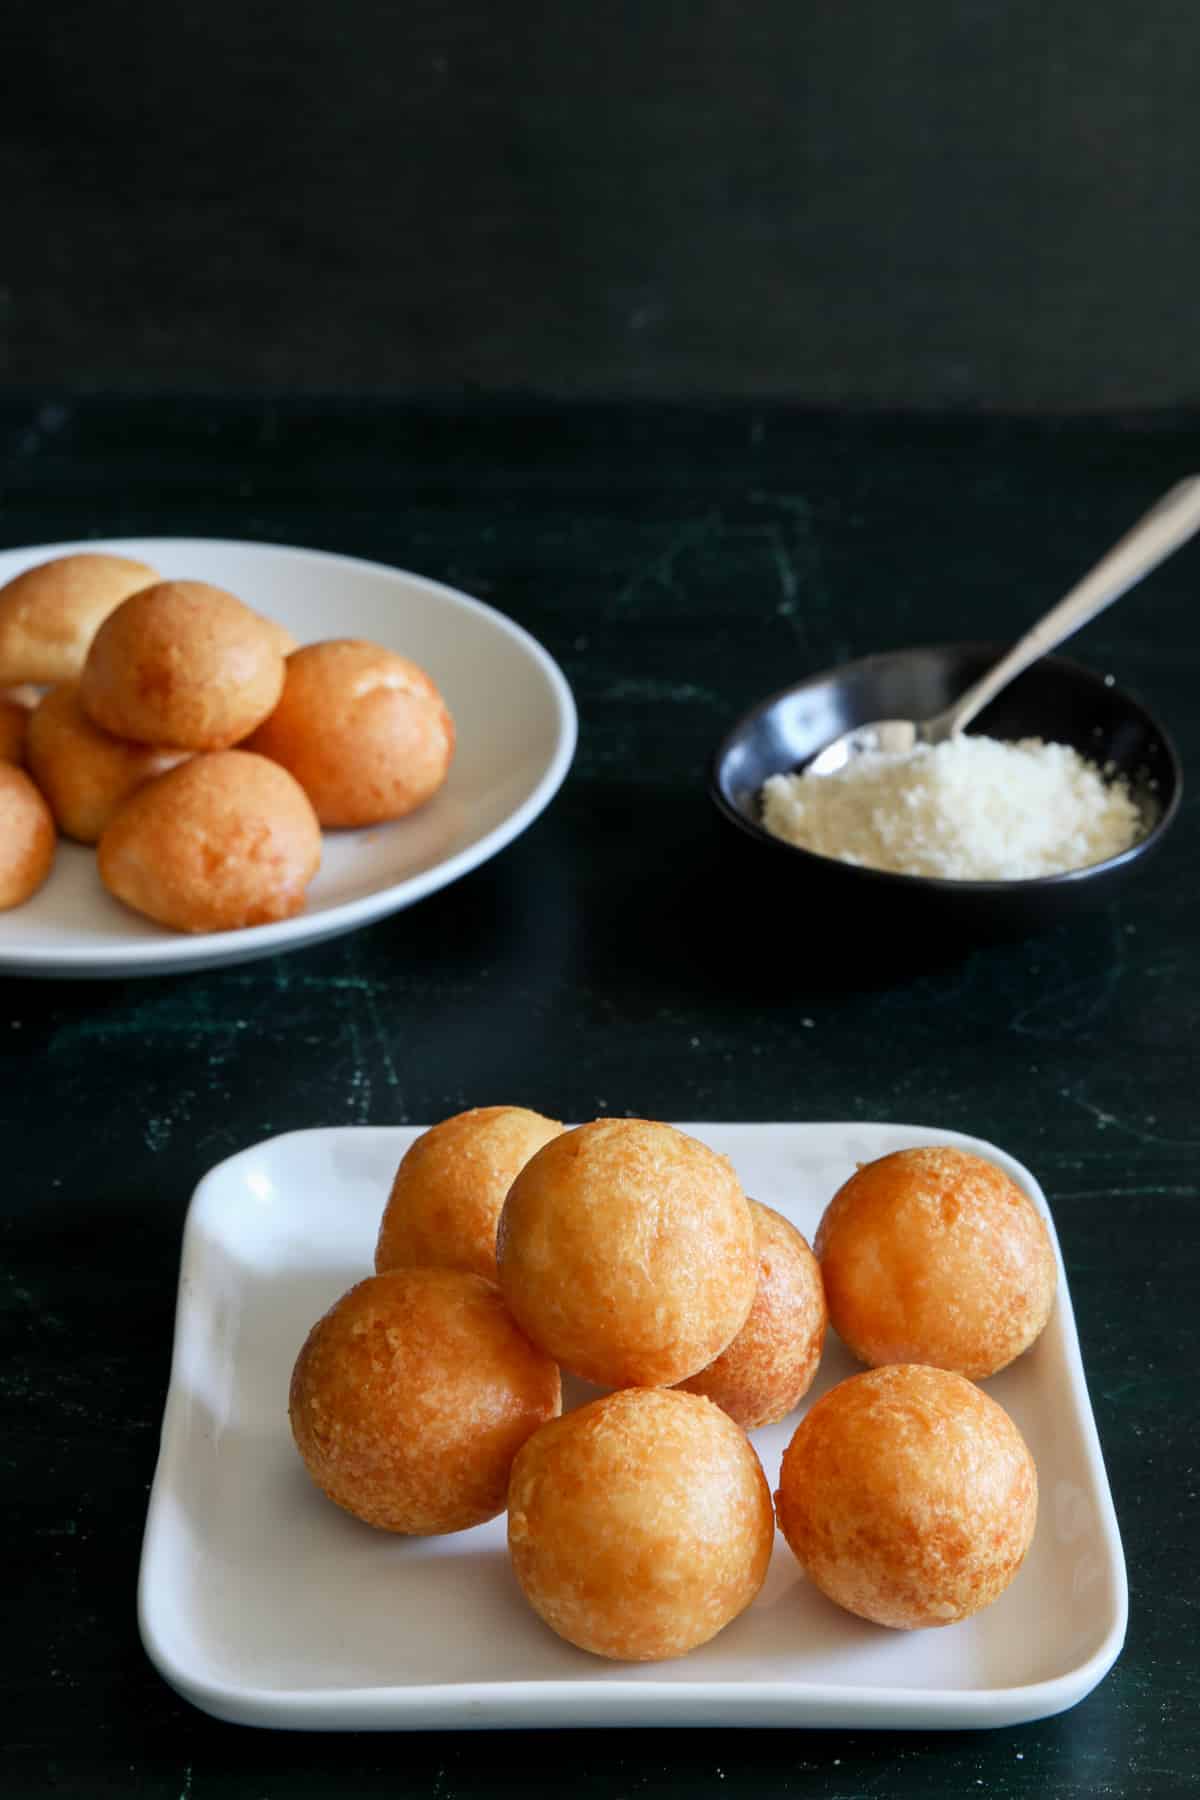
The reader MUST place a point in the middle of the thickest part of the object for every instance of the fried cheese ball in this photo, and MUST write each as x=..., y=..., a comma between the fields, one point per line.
x=908, y=1496
x=50, y=614
x=24, y=693
x=626, y=1250
x=934, y=1256
x=451, y=1184
x=640, y=1525
x=364, y=731
x=284, y=640
x=411, y=1397
x=221, y=842
x=770, y=1365
x=27, y=837
x=14, y=723
x=182, y=664
x=82, y=771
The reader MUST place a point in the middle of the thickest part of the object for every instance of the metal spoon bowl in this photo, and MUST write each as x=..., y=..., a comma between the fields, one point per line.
x=1162, y=531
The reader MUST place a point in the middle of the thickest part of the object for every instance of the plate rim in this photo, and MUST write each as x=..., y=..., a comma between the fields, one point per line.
x=182, y=951
x=499, y=1703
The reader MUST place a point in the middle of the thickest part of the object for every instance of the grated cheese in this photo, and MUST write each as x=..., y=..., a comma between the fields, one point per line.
x=970, y=809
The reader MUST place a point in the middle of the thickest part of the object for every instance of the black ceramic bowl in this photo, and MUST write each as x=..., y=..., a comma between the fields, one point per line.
x=1056, y=699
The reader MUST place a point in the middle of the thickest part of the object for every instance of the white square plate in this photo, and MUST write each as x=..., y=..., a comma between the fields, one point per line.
x=263, y=1603
x=515, y=730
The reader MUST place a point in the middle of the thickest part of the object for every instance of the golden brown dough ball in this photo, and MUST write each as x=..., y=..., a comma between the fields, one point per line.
x=182, y=664
x=770, y=1365
x=284, y=640
x=364, y=731
x=641, y=1525
x=82, y=771
x=220, y=842
x=411, y=1397
x=626, y=1250
x=908, y=1496
x=27, y=837
x=50, y=614
x=25, y=693
x=933, y=1255
x=14, y=722
x=451, y=1184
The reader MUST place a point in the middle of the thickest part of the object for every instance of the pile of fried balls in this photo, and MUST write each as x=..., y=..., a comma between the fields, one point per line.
x=428, y=1399
x=193, y=743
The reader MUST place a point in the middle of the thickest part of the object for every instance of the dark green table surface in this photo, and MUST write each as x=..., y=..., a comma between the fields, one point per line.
x=679, y=564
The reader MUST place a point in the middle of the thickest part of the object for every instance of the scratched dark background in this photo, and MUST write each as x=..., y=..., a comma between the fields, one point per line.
x=679, y=562
x=959, y=203
x=715, y=345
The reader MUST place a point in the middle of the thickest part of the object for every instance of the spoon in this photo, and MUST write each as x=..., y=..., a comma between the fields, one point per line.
x=1156, y=536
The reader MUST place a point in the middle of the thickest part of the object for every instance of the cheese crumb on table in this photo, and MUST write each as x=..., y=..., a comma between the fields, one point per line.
x=969, y=809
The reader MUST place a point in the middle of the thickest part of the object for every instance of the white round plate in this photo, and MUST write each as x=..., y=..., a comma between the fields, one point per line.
x=515, y=723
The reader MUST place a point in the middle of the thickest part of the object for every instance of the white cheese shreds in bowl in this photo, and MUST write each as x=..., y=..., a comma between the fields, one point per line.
x=971, y=809
x=1048, y=807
